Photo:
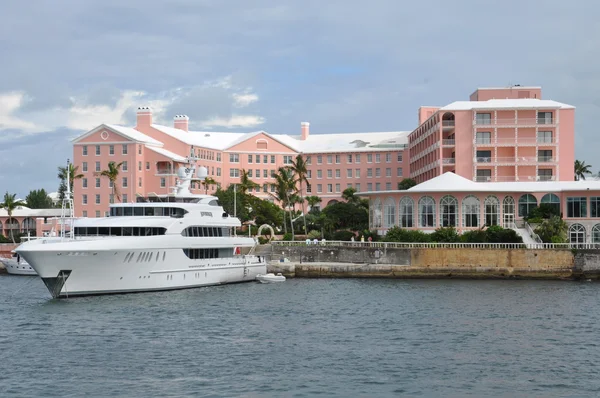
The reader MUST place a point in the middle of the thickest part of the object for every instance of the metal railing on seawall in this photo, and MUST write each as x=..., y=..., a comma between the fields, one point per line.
x=431, y=245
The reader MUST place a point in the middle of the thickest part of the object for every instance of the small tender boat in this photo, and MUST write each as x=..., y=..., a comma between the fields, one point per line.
x=270, y=278
x=17, y=265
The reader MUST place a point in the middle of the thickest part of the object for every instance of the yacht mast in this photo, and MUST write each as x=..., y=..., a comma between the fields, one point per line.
x=67, y=207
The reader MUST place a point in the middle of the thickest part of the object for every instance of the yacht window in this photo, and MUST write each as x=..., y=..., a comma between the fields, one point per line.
x=158, y=211
x=210, y=232
x=128, y=211
x=201, y=253
x=119, y=211
x=148, y=211
x=127, y=231
x=213, y=203
x=103, y=231
x=138, y=211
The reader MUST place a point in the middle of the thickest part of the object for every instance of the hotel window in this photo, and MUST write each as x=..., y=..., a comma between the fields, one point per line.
x=388, y=157
x=484, y=175
x=349, y=158
x=369, y=186
x=139, y=149
x=406, y=212
x=470, y=209
x=272, y=159
x=84, y=199
x=544, y=155
x=265, y=173
x=329, y=173
x=527, y=203
x=399, y=172
x=337, y=187
x=378, y=186
x=97, y=213
x=545, y=175
x=124, y=166
x=124, y=149
x=234, y=158
x=110, y=184
x=265, y=188
x=308, y=173
x=388, y=172
x=111, y=149
x=370, y=158
x=287, y=159
x=329, y=159
x=218, y=172
x=97, y=182
x=249, y=158
x=338, y=173
x=426, y=212
x=577, y=207
x=319, y=188
x=124, y=198
x=273, y=174
x=163, y=182
x=250, y=173
x=308, y=188
x=358, y=187
x=544, y=137
x=319, y=174
x=544, y=118
x=234, y=173
x=97, y=166
x=265, y=158
x=257, y=173
x=399, y=156
x=218, y=156
x=84, y=182
x=329, y=188
x=147, y=165
x=97, y=199
x=85, y=213
x=377, y=172
x=124, y=182
x=377, y=158
x=140, y=182
x=357, y=173
x=111, y=198
x=139, y=166
x=388, y=186
x=484, y=156
x=319, y=159
x=308, y=160
x=84, y=150
x=84, y=166
x=483, y=137
x=349, y=185
x=357, y=159
x=491, y=210
x=349, y=173
x=97, y=150
x=369, y=173
x=483, y=118
x=337, y=159
x=257, y=158
x=595, y=206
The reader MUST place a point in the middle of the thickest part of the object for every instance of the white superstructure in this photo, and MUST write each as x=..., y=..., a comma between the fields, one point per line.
x=158, y=243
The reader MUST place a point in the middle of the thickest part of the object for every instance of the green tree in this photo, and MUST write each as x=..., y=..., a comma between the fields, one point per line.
x=112, y=174
x=285, y=188
x=349, y=195
x=552, y=230
x=227, y=198
x=581, y=169
x=265, y=212
x=406, y=183
x=62, y=176
x=300, y=170
x=38, y=199
x=344, y=215
x=246, y=183
x=10, y=204
x=208, y=181
x=313, y=201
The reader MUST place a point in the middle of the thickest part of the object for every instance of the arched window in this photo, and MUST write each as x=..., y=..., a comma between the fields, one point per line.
x=406, y=212
x=426, y=212
x=376, y=213
x=508, y=211
x=471, y=213
x=596, y=234
x=389, y=213
x=527, y=203
x=577, y=234
x=551, y=200
x=491, y=210
x=28, y=224
x=448, y=211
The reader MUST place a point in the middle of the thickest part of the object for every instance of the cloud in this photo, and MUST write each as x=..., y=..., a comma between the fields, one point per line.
x=235, y=121
x=243, y=100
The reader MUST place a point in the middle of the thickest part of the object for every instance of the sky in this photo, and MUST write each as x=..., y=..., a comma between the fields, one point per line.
x=67, y=66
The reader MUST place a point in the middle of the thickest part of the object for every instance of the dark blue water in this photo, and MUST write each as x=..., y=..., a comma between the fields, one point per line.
x=302, y=338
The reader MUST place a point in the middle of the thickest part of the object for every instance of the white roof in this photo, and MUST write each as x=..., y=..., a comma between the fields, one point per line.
x=522, y=103
x=23, y=211
x=168, y=154
x=204, y=139
x=450, y=182
x=133, y=134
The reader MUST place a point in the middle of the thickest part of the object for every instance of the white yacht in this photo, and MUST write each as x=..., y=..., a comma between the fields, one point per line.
x=161, y=242
x=16, y=265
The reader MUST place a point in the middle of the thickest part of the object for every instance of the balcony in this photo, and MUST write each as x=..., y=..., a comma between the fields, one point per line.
x=515, y=122
x=515, y=160
x=546, y=178
x=483, y=178
x=448, y=142
x=546, y=159
x=522, y=141
x=164, y=172
x=448, y=161
x=448, y=125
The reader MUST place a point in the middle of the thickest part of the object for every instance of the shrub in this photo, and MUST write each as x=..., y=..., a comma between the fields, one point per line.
x=445, y=235
x=553, y=230
x=314, y=234
x=342, y=235
x=497, y=234
x=543, y=211
x=287, y=236
x=262, y=240
x=396, y=234
x=476, y=236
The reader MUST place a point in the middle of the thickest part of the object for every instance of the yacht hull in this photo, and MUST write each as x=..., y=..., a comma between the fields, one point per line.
x=71, y=273
x=14, y=268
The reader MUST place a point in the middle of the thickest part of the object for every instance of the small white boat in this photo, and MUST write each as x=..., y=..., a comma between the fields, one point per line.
x=270, y=278
x=17, y=265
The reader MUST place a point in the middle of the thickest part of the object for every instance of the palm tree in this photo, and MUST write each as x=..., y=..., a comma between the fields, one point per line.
x=313, y=201
x=10, y=204
x=62, y=176
x=207, y=182
x=246, y=183
x=285, y=188
x=299, y=168
x=112, y=173
x=581, y=169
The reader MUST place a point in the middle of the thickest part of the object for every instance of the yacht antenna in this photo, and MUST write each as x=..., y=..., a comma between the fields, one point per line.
x=67, y=207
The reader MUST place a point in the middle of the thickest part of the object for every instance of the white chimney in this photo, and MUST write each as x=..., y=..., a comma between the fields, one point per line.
x=181, y=122
x=305, y=127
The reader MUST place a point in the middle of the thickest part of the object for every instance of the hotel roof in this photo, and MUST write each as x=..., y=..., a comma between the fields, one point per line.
x=522, y=103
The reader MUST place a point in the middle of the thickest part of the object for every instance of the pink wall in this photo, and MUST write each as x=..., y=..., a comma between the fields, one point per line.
x=566, y=136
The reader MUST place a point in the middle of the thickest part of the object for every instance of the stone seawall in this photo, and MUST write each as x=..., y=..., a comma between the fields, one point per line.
x=472, y=263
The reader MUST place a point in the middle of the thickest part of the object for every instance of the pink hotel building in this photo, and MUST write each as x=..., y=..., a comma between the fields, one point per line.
x=515, y=147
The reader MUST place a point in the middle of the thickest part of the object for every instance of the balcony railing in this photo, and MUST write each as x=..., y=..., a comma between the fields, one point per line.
x=514, y=141
x=448, y=161
x=515, y=122
x=545, y=159
x=546, y=178
x=512, y=159
x=483, y=178
x=448, y=142
x=162, y=171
